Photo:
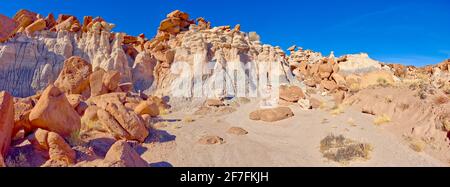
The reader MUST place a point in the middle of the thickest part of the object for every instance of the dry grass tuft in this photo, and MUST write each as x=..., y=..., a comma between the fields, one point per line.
x=188, y=119
x=382, y=119
x=343, y=150
x=338, y=109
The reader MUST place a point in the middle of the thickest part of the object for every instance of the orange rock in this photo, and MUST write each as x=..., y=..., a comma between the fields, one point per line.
x=56, y=147
x=96, y=83
x=121, y=154
x=339, y=97
x=129, y=121
x=237, y=131
x=74, y=77
x=329, y=85
x=272, y=115
x=50, y=21
x=291, y=93
x=112, y=125
x=22, y=109
x=38, y=25
x=53, y=112
x=6, y=121
x=214, y=102
x=59, y=149
x=111, y=80
x=147, y=107
x=86, y=21
x=315, y=103
x=24, y=18
x=211, y=140
x=7, y=28
x=325, y=70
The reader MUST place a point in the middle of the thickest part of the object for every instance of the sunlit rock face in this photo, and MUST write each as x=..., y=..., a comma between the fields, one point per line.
x=358, y=63
x=30, y=63
x=218, y=62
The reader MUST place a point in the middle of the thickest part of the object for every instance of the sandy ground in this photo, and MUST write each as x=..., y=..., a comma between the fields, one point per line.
x=291, y=142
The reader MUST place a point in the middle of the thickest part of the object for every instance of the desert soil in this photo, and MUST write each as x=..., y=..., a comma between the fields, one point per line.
x=291, y=142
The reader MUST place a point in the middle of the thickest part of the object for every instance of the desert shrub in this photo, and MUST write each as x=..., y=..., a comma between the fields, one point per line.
x=19, y=160
x=382, y=82
x=343, y=150
x=75, y=138
x=188, y=119
x=337, y=109
x=381, y=119
x=416, y=144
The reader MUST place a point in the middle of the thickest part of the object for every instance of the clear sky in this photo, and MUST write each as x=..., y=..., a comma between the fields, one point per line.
x=398, y=31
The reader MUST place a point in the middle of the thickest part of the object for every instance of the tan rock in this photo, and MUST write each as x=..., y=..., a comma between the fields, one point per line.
x=129, y=121
x=59, y=149
x=111, y=80
x=112, y=125
x=121, y=154
x=24, y=18
x=53, y=112
x=237, y=131
x=74, y=77
x=38, y=25
x=96, y=83
x=291, y=93
x=272, y=115
x=339, y=97
x=338, y=78
x=214, y=102
x=211, y=140
x=315, y=103
x=147, y=107
x=6, y=121
x=329, y=85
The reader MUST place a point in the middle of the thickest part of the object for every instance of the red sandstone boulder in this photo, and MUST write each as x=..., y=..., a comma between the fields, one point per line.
x=53, y=112
x=74, y=77
x=6, y=121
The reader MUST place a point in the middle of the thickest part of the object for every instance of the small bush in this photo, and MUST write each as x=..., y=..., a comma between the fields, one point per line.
x=338, y=109
x=19, y=160
x=343, y=150
x=382, y=119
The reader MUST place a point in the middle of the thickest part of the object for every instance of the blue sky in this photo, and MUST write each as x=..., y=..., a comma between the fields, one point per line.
x=398, y=31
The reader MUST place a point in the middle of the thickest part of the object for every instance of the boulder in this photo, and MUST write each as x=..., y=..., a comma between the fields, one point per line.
x=53, y=112
x=111, y=80
x=315, y=103
x=24, y=18
x=112, y=125
x=38, y=25
x=96, y=83
x=272, y=114
x=214, y=102
x=59, y=151
x=237, y=131
x=211, y=140
x=328, y=85
x=121, y=154
x=129, y=121
x=325, y=70
x=338, y=78
x=291, y=93
x=6, y=121
x=7, y=28
x=74, y=77
x=339, y=97
x=147, y=107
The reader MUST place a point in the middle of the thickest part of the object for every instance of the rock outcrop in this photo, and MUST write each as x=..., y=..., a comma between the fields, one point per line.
x=6, y=121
